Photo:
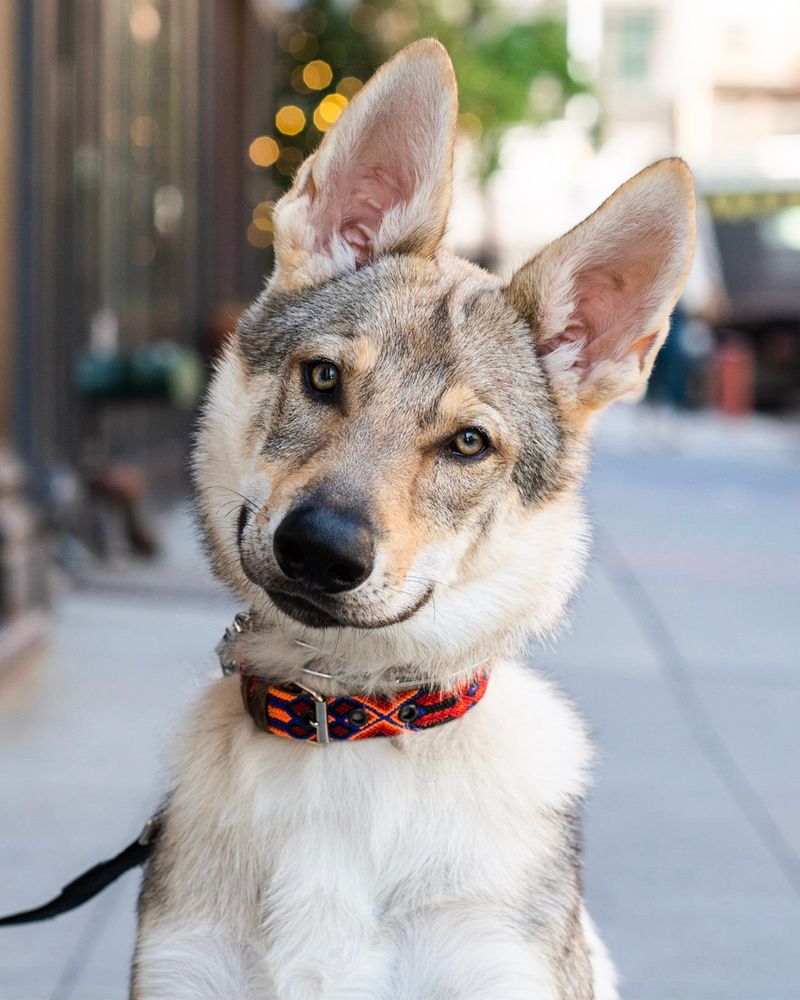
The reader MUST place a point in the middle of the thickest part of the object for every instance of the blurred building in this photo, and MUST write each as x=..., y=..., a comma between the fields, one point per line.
x=132, y=154
x=717, y=82
x=124, y=191
x=21, y=622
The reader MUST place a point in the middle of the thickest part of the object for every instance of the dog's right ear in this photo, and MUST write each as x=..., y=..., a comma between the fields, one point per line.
x=380, y=181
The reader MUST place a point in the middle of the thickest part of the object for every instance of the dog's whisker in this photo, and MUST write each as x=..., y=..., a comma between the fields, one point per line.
x=252, y=505
x=231, y=505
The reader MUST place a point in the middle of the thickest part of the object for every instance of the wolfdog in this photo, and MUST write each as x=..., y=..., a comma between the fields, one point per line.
x=408, y=435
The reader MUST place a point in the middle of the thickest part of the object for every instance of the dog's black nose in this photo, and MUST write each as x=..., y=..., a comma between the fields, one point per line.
x=324, y=549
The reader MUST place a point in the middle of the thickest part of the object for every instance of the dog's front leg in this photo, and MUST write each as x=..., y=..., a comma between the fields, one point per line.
x=198, y=964
x=195, y=939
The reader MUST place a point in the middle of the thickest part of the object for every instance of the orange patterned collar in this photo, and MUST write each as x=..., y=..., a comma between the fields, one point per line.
x=300, y=713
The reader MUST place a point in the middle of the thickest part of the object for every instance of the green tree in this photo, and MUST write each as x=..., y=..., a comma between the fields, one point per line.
x=509, y=71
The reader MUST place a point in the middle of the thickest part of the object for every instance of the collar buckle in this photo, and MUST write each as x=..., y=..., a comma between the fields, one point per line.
x=320, y=721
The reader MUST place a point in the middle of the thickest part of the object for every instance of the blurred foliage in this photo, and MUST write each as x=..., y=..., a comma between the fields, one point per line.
x=509, y=71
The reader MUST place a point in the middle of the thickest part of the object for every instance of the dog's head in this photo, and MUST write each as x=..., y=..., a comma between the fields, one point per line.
x=394, y=439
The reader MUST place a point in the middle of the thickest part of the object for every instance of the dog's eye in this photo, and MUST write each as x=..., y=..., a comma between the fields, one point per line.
x=469, y=443
x=322, y=376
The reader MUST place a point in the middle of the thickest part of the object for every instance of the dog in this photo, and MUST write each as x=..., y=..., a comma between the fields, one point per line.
x=404, y=437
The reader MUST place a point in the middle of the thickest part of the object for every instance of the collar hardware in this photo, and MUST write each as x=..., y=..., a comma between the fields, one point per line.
x=320, y=721
x=227, y=661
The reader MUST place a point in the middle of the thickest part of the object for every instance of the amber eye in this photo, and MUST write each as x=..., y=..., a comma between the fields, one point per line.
x=469, y=443
x=322, y=376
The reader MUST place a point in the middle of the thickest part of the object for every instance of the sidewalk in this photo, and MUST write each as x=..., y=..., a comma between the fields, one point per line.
x=682, y=654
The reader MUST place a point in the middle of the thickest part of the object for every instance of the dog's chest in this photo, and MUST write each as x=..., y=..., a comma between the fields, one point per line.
x=378, y=857
x=377, y=870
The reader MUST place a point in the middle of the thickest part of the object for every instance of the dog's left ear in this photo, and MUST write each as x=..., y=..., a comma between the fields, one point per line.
x=599, y=298
x=380, y=181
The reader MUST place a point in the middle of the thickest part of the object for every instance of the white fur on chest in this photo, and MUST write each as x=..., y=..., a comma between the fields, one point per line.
x=389, y=868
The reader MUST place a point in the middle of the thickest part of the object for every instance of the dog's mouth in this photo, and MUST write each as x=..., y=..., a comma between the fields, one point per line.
x=307, y=612
x=303, y=611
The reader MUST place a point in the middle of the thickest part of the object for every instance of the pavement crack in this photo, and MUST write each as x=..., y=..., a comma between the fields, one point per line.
x=85, y=946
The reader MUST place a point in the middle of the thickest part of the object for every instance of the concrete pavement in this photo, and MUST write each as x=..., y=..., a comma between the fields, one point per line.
x=682, y=654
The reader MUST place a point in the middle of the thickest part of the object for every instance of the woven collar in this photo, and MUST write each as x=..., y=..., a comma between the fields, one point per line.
x=298, y=713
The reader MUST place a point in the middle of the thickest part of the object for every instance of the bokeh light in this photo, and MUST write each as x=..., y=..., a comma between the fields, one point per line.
x=290, y=119
x=264, y=151
x=145, y=22
x=258, y=237
x=290, y=159
x=328, y=111
x=168, y=209
x=317, y=74
x=297, y=81
x=301, y=44
x=144, y=131
x=262, y=216
x=349, y=86
x=286, y=33
x=364, y=19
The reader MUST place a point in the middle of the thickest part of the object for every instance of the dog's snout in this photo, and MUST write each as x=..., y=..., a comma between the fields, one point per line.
x=324, y=549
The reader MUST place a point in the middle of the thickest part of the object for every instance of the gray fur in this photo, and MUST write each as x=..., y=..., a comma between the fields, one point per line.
x=424, y=344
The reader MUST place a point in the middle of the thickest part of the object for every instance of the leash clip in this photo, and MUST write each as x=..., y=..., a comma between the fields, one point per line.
x=320, y=722
x=149, y=830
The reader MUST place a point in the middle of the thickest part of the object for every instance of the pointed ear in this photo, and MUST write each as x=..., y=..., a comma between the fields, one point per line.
x=599, y=299
x=380, y=180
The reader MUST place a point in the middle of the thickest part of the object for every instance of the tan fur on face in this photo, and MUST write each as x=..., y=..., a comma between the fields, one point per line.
x=362, y=355
x=456, y=400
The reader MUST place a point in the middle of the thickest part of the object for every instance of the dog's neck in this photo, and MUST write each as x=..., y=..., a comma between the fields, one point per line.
x=337, y=661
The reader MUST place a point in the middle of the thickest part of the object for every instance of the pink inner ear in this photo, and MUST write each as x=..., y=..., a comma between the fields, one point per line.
x=370, y=193
x=601, y=294
x=612, y=302
x=364, y=182
x=382, y=173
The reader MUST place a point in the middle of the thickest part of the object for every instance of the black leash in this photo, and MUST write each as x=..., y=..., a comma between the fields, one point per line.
x=88, y=885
